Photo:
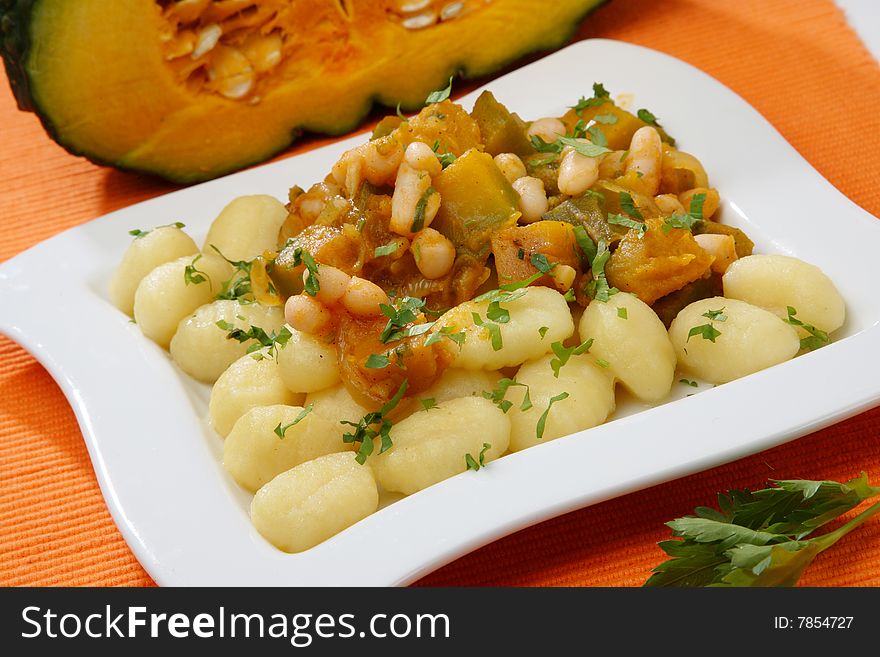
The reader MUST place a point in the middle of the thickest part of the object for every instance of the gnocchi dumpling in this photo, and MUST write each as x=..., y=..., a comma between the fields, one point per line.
x=247, y=383
x=313, y=501
x=456, y=383
x=246, y=227
x=748, y=339
x=253, y=453
x=164, y=296
x=145, y=253
x=520, y=337
x=430, y=445
x=630, y=337
x=201, y=348
x=775, y=282
x=307, y=363
x=589, y=401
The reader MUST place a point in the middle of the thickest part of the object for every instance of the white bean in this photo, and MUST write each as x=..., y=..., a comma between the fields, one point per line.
x=362, y=298
x=644, y=158
x=430, y=446
x=201, y=348
x=669, y=204
x=434, y=253
x=750, y=339
x=247, y=227
x=511, y=166
x=382, y=158
x=720, y=247
x=776, y=281
x=577, y=172
x=308, y=363
x=163, y=297
x=305, y=313
x=630, y=337
x=590, y=400
x=420, y=156
x=313, y=501
x=247, y=383
x=254, y=454
x=332, y=283
x=548, y=129
x=411, y=188
x=532, y=198
x=143, y=255
x=538, y=307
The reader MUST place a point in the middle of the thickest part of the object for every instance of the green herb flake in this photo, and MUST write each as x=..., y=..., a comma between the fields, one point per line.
x=365, y=430
x=194, y=276
x=271, y=341
x=618, y=219
x=628, y=205
x=542, y=421
x=696, y=206
x=492, y=329
x=388, y=249
x=605, y=119
x=563, y=354
x=498, y=394
x=542, y=331
x=715, y=315
x=480, y=461
x=545, y=147
x=585, y=242
x=621, y=312
x=280, y=430
x=428, y=403
x=584, y=148
x=597, y=136
x=598, y=288
x=604, y=364
x=647, y=117
x=816, y=337
x=539, y=261
x=377, y=362
x=706, y=331
x=441, y=95
x=687, y=382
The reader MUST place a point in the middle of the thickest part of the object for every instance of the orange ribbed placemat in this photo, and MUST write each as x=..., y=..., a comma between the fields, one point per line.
x=796, y=61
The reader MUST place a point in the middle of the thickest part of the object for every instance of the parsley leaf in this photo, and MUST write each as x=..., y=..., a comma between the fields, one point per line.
x=428, y=403
x=540, y=262
x=584, y=148
x=419, y=215
x=585, y=242
x=692, y=384
x=647, y=117
x=138, y=233
x=606, y=119
x=542, y=331
x=542, y=421
x=621, y=312
x=480, y=461
x=441, y=95
x=407, y=312
x=545, y=147
x=377, y=362
x=563, y=354
x=640, y=227
x=492, y=329
x=628, y=205
x=707, y=331
x=445, y=159
x=816, y=337
x=193, y=275
x=497, y=314
x=498, y=394
x=271, y=341
x=598, y=288
x=758, y=538
x=280, y=430
x=449, y=333
x=387, y=249
x=365, y=430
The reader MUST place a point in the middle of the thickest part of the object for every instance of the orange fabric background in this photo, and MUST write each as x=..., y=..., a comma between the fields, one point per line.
x=796, y=61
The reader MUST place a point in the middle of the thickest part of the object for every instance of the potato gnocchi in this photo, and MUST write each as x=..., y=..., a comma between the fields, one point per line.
x=463, y=286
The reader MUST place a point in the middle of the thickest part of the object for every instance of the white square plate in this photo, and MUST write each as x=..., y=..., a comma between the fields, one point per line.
x=158, y=462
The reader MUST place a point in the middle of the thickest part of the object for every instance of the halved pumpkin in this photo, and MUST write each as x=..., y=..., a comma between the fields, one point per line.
x=192, y=89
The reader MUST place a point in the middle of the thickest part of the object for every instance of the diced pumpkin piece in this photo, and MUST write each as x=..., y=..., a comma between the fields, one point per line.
x=514, y=247
x=587, y=211
x=445, y=124
x=502, y=131
x=477, y=201
x=657, y=263
x=617, y=130
x=331, y=245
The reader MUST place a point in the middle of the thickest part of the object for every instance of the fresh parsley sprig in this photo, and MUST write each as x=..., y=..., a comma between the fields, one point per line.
x=499, y=392
x=194, y=276
x=598, y=288
x=271, y=340
x=815, y=339
x=441, y=95
x=563, y=354
x=366, y=430
x=760, y=538
x=689, y=220
x=281, y=429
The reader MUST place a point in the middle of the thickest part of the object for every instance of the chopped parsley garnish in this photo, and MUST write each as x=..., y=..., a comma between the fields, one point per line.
x=428, y=403
x=446, y=159
x=542, y=331
x=606, y=119
x=715, y=315
x=689, y=220
x=598, y=288
x=621, y=312
x=620, y=220
x=542, y=421
x=192, y=275
x=271, y=341
x=391, y=247
x=597, y=136
x=628, y=205
x=498, y=394
x=687, y=382
x=458, y=337
x=480, y=461
x=492, y=329
x=706, y=331
x=541, y=161
x=377, y=362
x=280, y=430
x=600, y=97
x=816, y=338
x=407, y=312
x=540, y=262
x=545, y=147
x=399, y=113
x=604, y=364
x=585, y=242
x=138, y=233
x=497, y=314
x=441, y=95
x=647, y=117
x=365, y=430
x=419, y=215
x=563, y=354
x=586, y=149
